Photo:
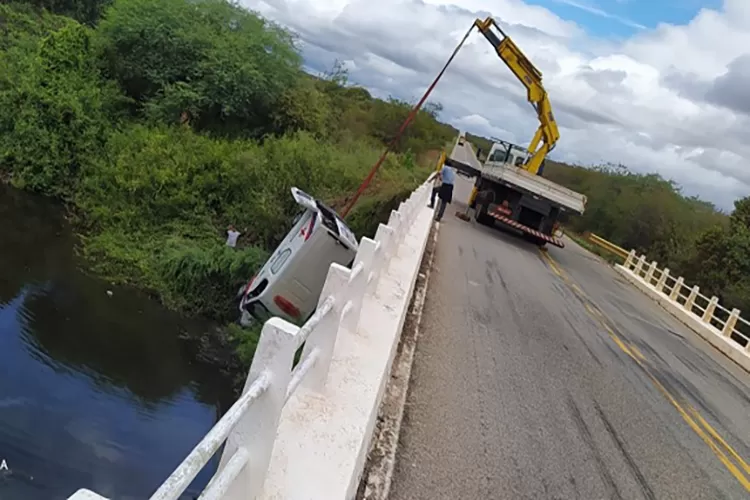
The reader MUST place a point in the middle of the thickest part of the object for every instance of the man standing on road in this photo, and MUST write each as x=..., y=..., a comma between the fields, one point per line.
x=447, y=177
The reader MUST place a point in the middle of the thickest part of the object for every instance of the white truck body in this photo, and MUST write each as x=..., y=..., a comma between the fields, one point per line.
x=536, y=184
x=507, y=172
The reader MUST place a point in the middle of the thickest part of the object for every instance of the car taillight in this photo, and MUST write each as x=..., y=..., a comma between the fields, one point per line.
x=286, y=306
x=250, y=284
x=308, y=231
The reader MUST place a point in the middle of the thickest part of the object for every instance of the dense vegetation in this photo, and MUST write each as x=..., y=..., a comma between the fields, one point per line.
x=649, y=214
x=159, y=123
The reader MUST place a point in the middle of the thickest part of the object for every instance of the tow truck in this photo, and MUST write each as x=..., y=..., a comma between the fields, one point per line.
x=509, y=188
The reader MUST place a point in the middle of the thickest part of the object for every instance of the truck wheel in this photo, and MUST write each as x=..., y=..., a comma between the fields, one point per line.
x=536, y=241
x=480, y=215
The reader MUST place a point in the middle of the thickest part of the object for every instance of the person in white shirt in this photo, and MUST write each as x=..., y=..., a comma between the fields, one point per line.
x=232, y=235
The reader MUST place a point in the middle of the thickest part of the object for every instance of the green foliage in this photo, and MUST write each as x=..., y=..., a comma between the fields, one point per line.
x=84, y=11
x=642, y=212
x=222, y=66
x=170, y=120
x=22, y=23
x=650, y=215
x=58, y=111
x=246, y=340
x=208, y=277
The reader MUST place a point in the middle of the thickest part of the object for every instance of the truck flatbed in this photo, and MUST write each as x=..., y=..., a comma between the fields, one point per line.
x=535, y=184
x=463, y=159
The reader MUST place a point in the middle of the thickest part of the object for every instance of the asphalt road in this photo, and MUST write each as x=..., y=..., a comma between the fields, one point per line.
x=465, y=155
x=553, y=378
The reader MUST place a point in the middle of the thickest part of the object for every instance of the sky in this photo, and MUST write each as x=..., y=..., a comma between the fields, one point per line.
x=660, y=86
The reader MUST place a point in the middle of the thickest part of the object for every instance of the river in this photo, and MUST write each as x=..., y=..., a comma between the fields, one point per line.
x=97, y=390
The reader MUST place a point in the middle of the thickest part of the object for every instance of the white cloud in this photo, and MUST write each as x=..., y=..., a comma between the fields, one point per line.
x=670, y=100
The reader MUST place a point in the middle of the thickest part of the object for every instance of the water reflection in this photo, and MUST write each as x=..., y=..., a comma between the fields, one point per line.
x=96, y=391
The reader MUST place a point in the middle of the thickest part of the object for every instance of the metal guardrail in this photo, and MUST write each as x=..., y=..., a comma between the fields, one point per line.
x=606, y=245
x=249, y=428
x=728, y=324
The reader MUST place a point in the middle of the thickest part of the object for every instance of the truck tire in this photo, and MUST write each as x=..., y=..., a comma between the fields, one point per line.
x=536, y=241
x=480, y=215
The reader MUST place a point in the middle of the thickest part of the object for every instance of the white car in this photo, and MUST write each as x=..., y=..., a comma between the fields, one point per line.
x=289, y=283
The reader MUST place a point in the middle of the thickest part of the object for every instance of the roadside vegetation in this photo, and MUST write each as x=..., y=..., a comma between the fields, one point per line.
x=159, y=123
x=649, y=214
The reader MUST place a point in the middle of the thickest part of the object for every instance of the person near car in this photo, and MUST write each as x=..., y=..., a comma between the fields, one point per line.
x=447, y=177
x=232, y=235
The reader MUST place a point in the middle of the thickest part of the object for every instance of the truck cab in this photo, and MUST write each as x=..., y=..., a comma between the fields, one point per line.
x=508, y=154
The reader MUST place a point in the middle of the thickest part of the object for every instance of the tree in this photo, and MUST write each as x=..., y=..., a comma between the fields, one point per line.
x=62, y=110
x=223, y=65
x=84, y=11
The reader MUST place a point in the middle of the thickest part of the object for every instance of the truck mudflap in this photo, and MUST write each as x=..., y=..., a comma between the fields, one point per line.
x=499, y=216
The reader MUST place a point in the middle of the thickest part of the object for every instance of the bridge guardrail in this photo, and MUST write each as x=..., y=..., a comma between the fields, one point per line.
x=606, y=245
x=253, y=429
x=701, y=310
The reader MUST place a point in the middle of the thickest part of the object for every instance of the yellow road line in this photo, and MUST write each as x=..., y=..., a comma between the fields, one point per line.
x=719, y=439
x=552, y=264
x=637, y=352
x=711, y=444
x=634, y=353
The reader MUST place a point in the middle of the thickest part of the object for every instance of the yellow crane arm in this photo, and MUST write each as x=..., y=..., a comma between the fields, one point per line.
x=531, y=77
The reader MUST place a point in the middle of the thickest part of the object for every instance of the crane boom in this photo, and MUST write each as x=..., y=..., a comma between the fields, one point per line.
x=547, y=134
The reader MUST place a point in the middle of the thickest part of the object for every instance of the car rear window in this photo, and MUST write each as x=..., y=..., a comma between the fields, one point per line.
x=328, y=217
x=336, y=225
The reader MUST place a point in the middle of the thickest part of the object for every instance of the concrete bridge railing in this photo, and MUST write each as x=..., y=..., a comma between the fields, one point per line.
x=725, y=329
x=304, y=431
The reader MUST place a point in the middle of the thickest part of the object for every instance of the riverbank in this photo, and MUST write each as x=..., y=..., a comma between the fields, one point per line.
x=158, y=143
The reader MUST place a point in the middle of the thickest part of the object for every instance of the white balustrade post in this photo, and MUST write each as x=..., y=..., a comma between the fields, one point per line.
x=408, y=210
x=630, y=260
x=675, y=294
x=359, y=282
x=384, y=237
x=394, y=222
x=708, y=314
x=420, y=195
x=731, y=323
x=690, y=302
x=405, y=210
x=424, y=194
x=650, y=272
x=84, y=494
x=255, y=432
x=639, y=265
x=322, y=338
x=662, y=280
x=412, y=207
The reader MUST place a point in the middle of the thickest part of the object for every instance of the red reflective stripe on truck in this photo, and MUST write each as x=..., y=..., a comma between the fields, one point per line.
x=526, y=229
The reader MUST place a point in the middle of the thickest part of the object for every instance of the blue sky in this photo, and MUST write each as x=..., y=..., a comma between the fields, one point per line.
x=623, y=18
